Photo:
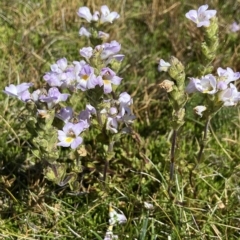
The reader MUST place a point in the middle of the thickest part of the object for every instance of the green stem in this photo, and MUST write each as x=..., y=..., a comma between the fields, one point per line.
x=172, y=155
x=203, y=142
x=110, y=150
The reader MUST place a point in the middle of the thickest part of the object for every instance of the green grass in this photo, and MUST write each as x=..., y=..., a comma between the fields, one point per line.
x=204, y=201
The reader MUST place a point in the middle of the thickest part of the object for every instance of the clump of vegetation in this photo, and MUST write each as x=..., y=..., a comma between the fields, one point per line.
x=102, y=138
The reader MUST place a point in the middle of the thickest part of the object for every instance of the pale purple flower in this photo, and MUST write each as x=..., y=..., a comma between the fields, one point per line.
x=86, y=52
x=17, y=91
x=35, y=95
x=199, y=109
x=207, y=84
x=52, y=79
x=53, y=97
x=95, y=81
x=110, y=49
x=26, y=96
x=84, y=12
x=229, y=96
x=116, y=218
x=60, y=66
x=163, y=66
x=201, y=16
x=192, y=85
x=234, y=27
x=69, y=136
x=108, y=16
x=222, y=85
x=95, y=16
x=109, y=77
x=112, y=124
x=85, y=77
x=86, y=114
x=84, y=32
x=61, y=74
x=65, y=114
x=228, y=75
x=125, y=113
x=103, y=35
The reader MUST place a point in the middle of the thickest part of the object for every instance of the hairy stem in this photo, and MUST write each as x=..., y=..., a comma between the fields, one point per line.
x=110, y=150
x=172, y=154
x=203, y=142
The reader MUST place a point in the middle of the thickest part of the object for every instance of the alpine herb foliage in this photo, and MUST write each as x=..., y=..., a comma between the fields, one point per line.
x=94, y=75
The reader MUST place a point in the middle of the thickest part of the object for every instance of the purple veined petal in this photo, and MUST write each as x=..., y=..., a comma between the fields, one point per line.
x=52, y=79
x=91, y=109
x=35, y=95
x=63, y=97
x=25, y=96
x=63, y=144
x=62, y=63
x=204, y=23
x=105, y=10
x=65, y=114
x=95, y=16
x=110, y=49
x=229, y=96
x=112, y=125
x=11, y=90
x=113, y=111
x=18, y=90
x=108, y=16
x=95, y=81
x=192, y=15
x=208, y=84
x=116, y=80
x=67, y=127
x=61, y=135
x=86, y=52
x=84, y=12
x=119, y=57
x=202, y=9
x=193, y=86
x=76, y=142
x=222, y=85
x=78, y=128
x=23, y=87
x=125, y=98
x=103, y=35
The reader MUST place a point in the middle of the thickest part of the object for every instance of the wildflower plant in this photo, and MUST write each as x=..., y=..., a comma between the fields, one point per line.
x=54, y=124
x=218, y=90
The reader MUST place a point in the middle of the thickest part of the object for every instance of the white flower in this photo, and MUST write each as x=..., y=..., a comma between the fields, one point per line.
x=163, y=66
x=116, y=218
x=199, y=109
x=201, y=16
x=228, y=75
x=229, y=96
x=108, y=16
x=207, y=84
x=234, y=27
x=84, y=12
x=148, y=206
